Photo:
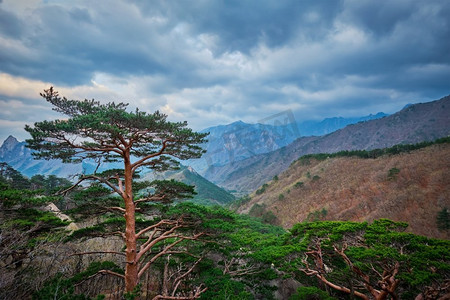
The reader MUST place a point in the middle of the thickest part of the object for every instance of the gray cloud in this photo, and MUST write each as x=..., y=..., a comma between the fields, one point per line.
x=215, y=62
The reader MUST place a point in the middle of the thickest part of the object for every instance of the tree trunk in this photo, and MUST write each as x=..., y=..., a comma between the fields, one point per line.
x=131, y=269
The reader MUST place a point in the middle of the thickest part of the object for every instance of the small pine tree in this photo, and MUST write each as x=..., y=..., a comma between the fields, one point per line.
x=443, y=219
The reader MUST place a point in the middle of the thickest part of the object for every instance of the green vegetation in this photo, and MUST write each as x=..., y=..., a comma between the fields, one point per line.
x=356, y=253
x=262, y=189
x=392, y=174
x=60, y=287
x=397, y=149
x=239, y=202
x=298, y=184
x=261, y=211
x=311, y=293
x=443, y=219
x=240, y=257
x=317, y=215
x=26, y=229
x=207, y=193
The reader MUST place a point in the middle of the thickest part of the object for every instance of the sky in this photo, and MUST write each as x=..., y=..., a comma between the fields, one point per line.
x=211, y=62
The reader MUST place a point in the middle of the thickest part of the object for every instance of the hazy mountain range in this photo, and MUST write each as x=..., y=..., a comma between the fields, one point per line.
x=238, y=141
x=413, y=124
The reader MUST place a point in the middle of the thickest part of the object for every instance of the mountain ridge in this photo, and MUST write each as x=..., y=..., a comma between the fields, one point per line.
x=413, y=124
x=239, y=140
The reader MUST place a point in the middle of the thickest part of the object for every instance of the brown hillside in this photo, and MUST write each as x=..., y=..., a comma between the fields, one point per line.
x=356, y=189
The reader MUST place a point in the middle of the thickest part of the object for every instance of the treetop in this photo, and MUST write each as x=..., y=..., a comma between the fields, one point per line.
x=109, y=132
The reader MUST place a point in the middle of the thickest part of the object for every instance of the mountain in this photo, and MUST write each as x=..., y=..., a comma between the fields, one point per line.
x=238, y=141
x=329, y=125
x=207, y=192
x=413, y=124
x=19, y=157
x=411, y=186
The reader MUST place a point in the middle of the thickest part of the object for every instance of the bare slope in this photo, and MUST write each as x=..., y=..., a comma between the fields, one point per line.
x=416, y=123
x=411, y=187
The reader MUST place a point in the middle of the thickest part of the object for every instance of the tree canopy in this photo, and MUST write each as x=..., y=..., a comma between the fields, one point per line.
x=108, y=132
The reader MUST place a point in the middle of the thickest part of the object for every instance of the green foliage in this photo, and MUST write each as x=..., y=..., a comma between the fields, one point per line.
x=221, y=286
x=239, y=202
x=275, y=178
x=280, y=197
x=262, y=189
x=168, y=191
x=60, y=287
x=397, y=149
x=234, y=237
x=317, y=215
x=298, y=184
x=260, y=211
x=443, y=219
x=43, y=184
x=304, y=160
x=315, y=178
x=392, y=174
x=374, y=248
x=134, y=294
x=311, y=293
x=207, y=192
x=13, y=177
x=50, y=184
x=102, y=126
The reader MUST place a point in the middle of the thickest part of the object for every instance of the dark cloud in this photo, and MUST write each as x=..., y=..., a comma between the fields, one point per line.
x=10, y=25
x=218, y=61
x=241, y=25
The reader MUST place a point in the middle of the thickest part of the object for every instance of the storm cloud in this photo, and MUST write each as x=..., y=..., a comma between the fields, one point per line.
x=215, y=62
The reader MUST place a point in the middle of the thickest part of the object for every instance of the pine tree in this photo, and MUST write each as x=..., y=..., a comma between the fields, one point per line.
x=110, y=133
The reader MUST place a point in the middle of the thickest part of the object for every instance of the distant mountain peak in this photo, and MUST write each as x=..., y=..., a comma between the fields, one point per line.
x=9, y=143
x=191, y=169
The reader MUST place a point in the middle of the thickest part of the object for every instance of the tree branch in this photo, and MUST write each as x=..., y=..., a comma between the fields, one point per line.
x=165, y=251
x=87, y=149
x=138, y=163
x=120, y=209
x=97, y=252
x=177, y=281
x=200, y=290
x=151, y=198
x=91, y=177
x=101, y=272
x=162, y=222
